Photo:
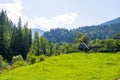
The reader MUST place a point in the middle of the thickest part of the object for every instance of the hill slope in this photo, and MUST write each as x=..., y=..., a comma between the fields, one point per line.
x=75, y=66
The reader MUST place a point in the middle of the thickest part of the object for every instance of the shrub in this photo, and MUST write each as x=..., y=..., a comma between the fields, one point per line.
x=18, y=61
x=17, y=58
x=31, y=58
x=56, y=54
x=42, y=57
x=18, y=64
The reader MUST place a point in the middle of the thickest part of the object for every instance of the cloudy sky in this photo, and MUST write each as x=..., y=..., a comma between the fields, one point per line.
x=47, y=14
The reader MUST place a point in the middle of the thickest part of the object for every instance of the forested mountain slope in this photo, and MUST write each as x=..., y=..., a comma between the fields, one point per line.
x=93, y=32
x=114, y=21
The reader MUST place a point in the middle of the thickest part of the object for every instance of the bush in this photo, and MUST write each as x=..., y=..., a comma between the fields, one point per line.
x=18, y=61
x=18, y=64
x=42, y=57
x=31, y=58
x=56, y=54
x=17, y=58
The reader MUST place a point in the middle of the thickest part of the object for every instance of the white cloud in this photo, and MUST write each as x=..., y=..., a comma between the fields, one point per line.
x=14, y=10
x=62, y=21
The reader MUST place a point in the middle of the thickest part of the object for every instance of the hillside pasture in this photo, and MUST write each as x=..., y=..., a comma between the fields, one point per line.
x=75, y=66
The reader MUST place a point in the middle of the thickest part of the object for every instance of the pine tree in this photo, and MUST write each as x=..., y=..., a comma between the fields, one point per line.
x=2, y=46
x=3, y=34
x=25, y=40
x=19, y=36
x=13, y=40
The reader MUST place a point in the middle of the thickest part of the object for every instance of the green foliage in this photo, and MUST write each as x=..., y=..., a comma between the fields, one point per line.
x=26, y=40
x=1, y=61
x=31, y=58
x=3, y=64
x=68, y=48
x=109, y=45
x=58, y=35
x=76, y=66
x=53, y=49
x=42, y=57
x=117, y=36
x=36, y=44
x=44, y=44
x=17, y=58
x=4, y=34
x=13, y=39
x=39, y=45
x=82, y=38
x=94, y=32
x=18, y=64
x=18, y=61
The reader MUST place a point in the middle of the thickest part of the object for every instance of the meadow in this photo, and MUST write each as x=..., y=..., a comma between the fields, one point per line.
x=74, y=66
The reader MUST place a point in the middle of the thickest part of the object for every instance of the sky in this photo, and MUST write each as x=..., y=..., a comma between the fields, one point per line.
x=49, y=14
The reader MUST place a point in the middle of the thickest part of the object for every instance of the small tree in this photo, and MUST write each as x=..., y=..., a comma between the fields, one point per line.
x=44, y=45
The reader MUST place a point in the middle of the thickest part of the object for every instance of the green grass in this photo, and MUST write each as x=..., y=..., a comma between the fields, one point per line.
x=76, y=66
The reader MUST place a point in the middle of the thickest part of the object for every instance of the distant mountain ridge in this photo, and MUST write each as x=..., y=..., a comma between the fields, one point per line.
x=104, y=31
x=114, y=21
x=40, y=32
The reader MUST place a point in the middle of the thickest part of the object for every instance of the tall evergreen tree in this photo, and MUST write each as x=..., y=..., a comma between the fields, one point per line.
x=2, y=46
x=25, y=40
x=4, y=34
x=13, y=40
x=19, y=37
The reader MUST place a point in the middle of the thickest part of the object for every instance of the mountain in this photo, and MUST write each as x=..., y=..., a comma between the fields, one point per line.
x=40, y=32
x=94, y=32
x=114, y=21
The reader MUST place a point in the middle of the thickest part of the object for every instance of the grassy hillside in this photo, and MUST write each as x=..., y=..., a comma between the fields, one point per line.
x=76, y=66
